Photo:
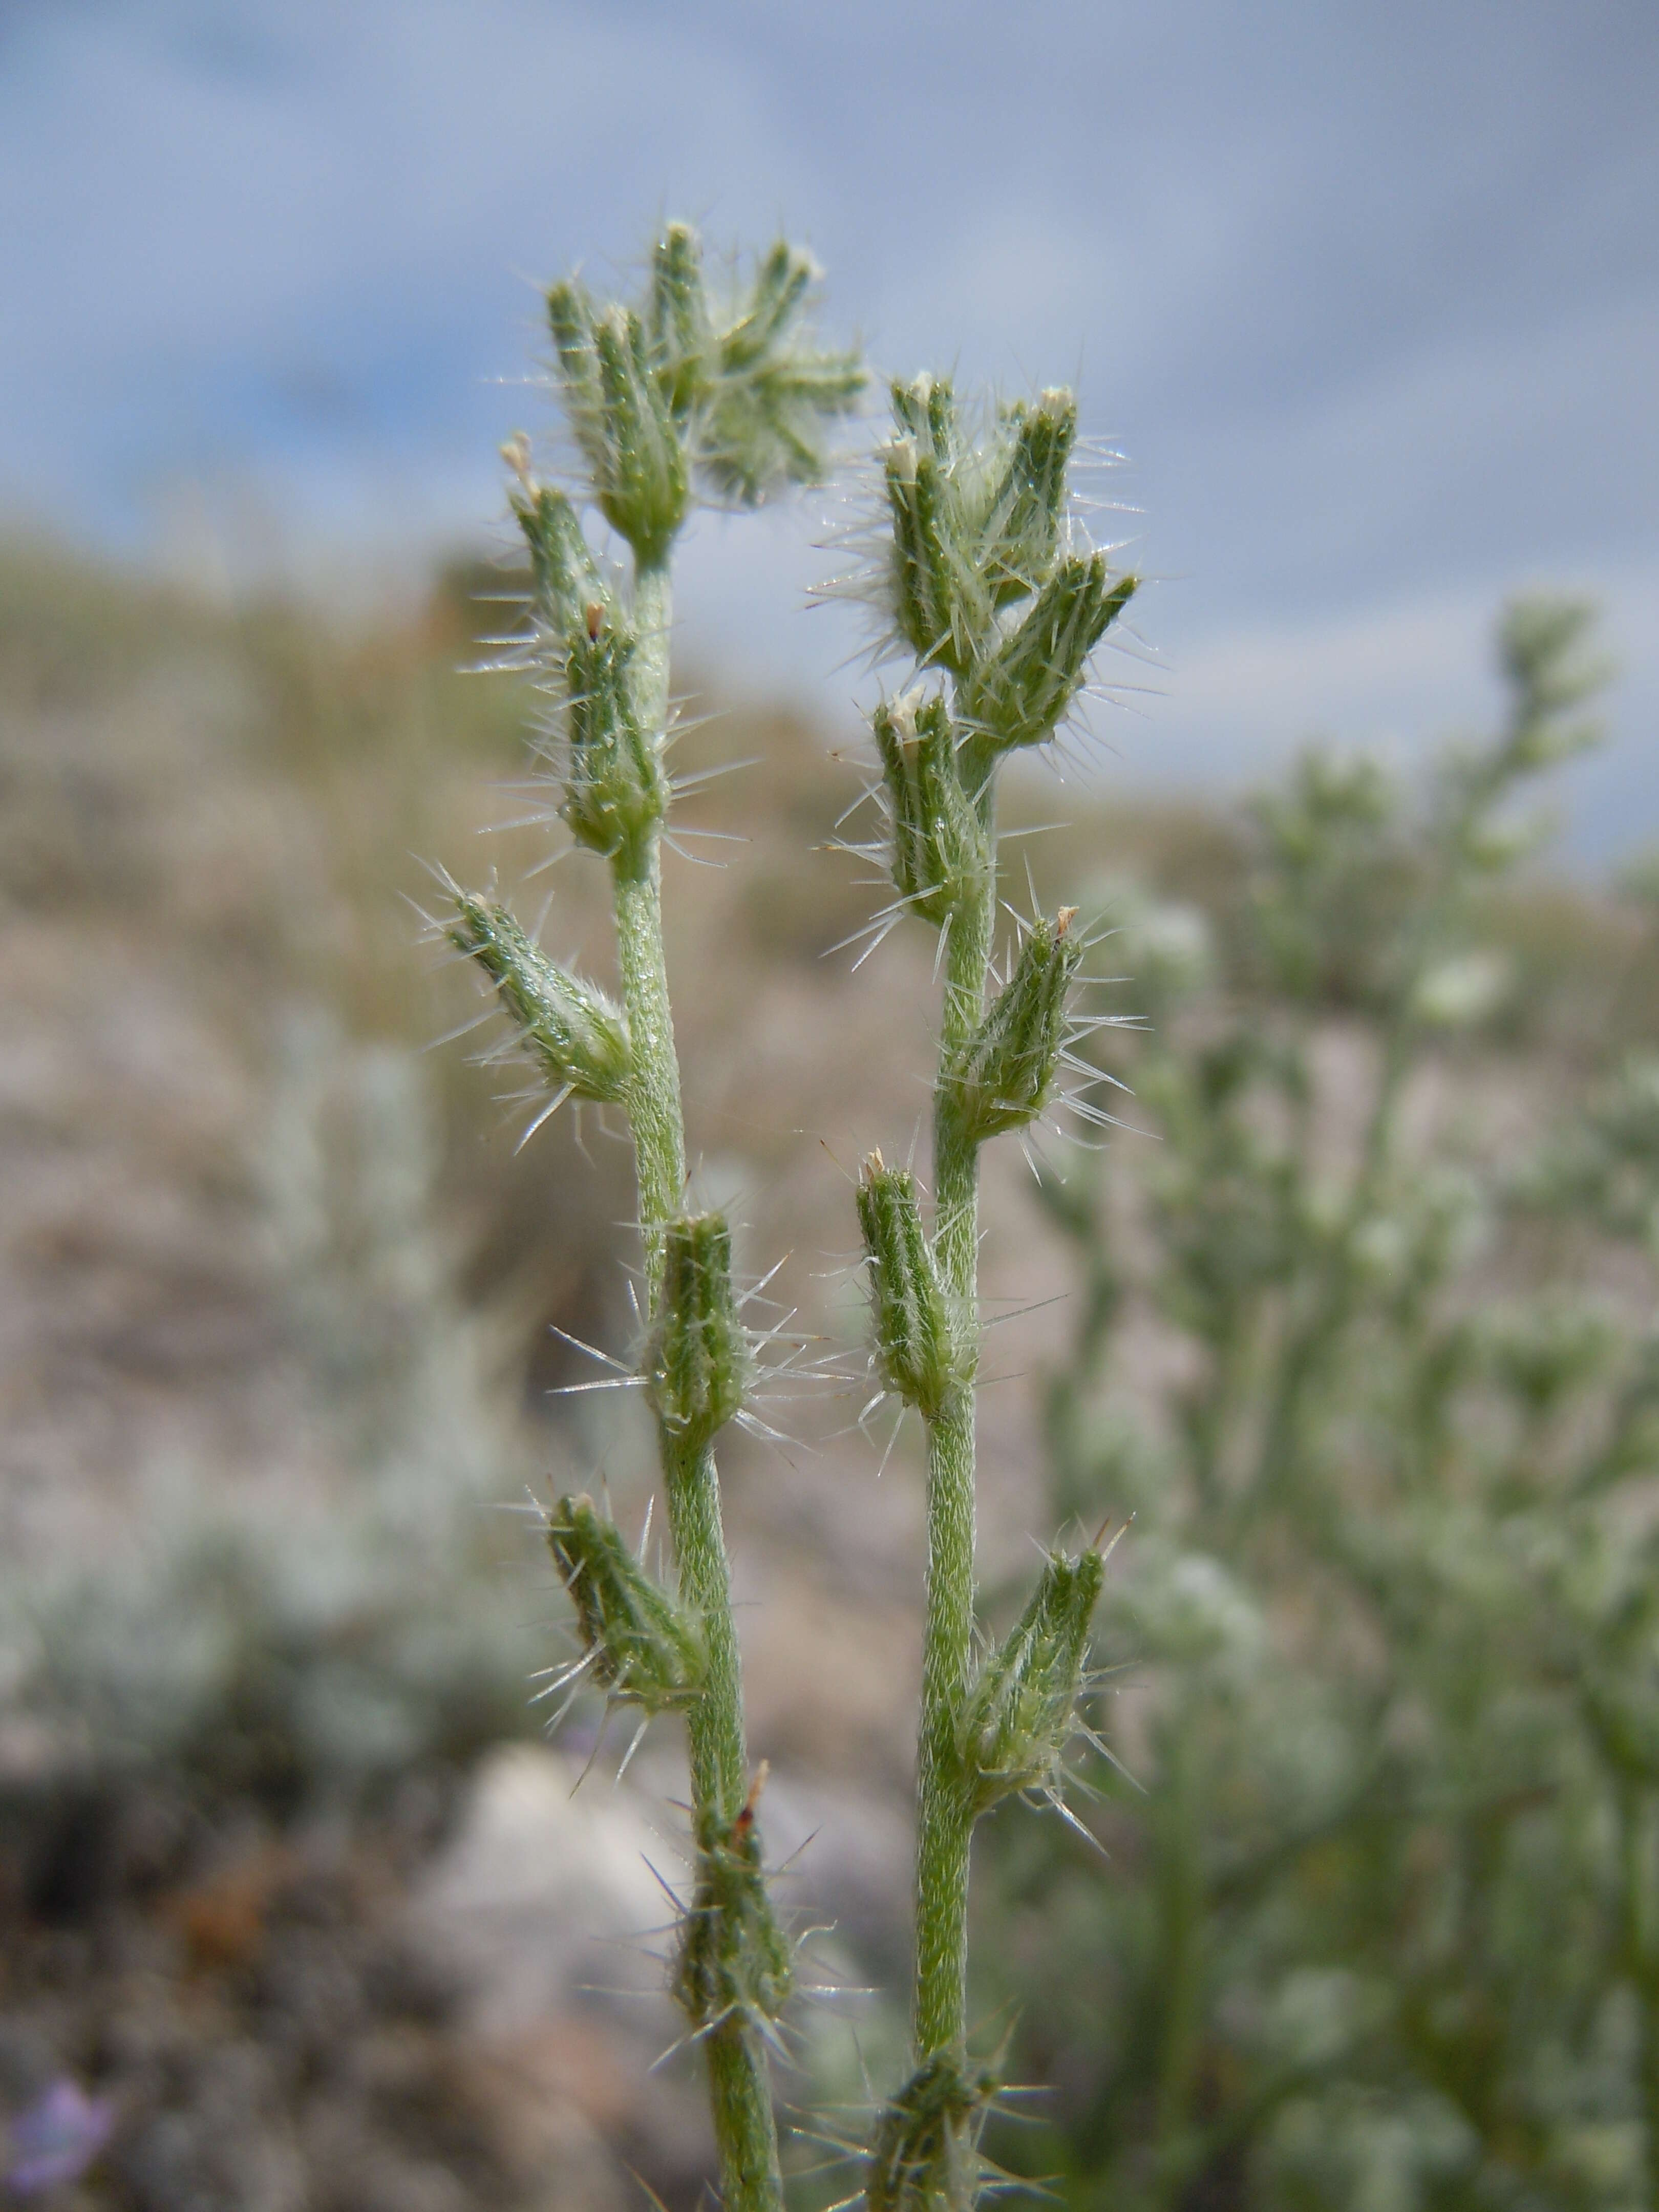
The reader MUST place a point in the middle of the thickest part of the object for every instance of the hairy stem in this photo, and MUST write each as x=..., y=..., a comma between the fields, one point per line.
x=739, y=2090
x=653, y=1105
x=944, y=1818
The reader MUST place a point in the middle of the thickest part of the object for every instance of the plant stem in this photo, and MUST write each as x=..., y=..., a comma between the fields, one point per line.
x=944, y=1818
x=739, y=2090
x=655, y=1113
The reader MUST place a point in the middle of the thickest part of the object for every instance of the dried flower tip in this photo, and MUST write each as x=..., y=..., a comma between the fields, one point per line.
x=734, y=1959
x=615, y=788
x=699, y=1363
x=1003, y=1076
x=646, y=1648
x=579, y=1038
x=915, y=1343
x=926, y=2157
x=1021, y=692
x=1022, y=1711
x=515, y=452
x=939, y=847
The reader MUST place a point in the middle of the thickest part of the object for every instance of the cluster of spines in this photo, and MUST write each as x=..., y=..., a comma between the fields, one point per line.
x=925, y=2154
x=735, y=1960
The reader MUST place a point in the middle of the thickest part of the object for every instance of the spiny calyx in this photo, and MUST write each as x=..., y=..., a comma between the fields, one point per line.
x=698, y=1362
x=734, y=1960
x=926, y=2154
x=646, y=1648
x=916, y=1352
x=1018, y=695
x=579, y=1039
x=1002, y=1076
x=1022, y=1711
x=939, y=848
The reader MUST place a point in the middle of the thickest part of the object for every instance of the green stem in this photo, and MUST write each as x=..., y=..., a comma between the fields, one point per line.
x=944, y=1819
x=740, y=2098
x=739, y=2089
x=655, y=1113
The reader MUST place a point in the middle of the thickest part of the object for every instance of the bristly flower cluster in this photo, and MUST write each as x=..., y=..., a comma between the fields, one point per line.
x=661, y=397
x=984, y=571
x=673, y=389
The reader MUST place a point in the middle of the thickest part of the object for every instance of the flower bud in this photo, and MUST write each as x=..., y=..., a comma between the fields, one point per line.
x=915, y=1351
x=570, y=318
x=734, y=1959
x=1003, y=1076
x=781, y=283
x=1022, y=526
x=940, y=845
x=565, y=576
x=698, y=1363
x=621, y=419
x=1022, y=1711
x=930, y=578
x=647, y=1649
x=641, y=482
x=677, y=317
x=925, y=2152
x=1021, y=692
x=768, y=393
x=579, y=1038
x=616, y=786
x=925, y=412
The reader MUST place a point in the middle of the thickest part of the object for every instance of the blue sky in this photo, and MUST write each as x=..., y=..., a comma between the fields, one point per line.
x=1370, y=297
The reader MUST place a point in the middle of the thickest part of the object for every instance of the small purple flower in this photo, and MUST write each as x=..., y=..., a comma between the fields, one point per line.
x=57, y=2138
